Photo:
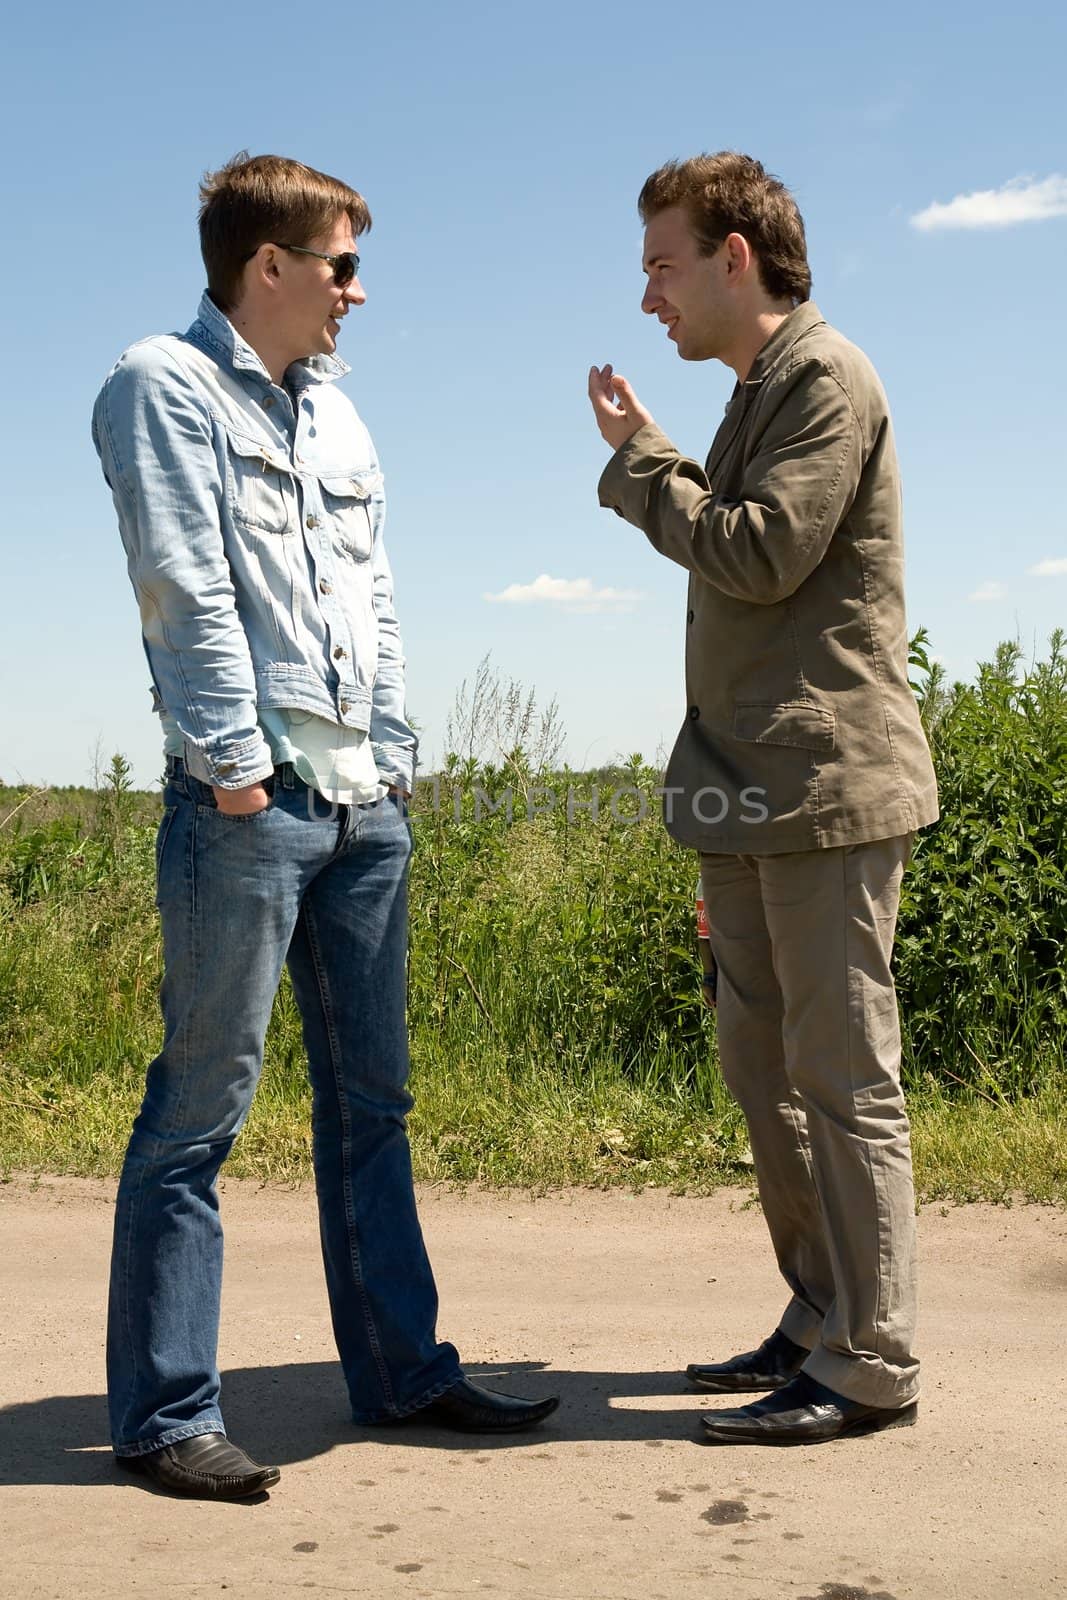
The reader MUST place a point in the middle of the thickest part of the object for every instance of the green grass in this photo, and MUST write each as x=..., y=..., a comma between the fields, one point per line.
x=557, y=1034
x=536, y=1132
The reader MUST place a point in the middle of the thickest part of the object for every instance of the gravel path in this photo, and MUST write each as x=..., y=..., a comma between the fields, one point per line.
x=602, y=1297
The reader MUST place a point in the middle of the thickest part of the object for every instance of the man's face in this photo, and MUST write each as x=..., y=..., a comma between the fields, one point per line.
x=310, y=306
x=686, y=290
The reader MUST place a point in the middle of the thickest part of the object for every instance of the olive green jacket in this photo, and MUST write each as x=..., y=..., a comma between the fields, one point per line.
x=801, y=731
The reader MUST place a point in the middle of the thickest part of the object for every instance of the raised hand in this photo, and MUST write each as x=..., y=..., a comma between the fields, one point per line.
x=617, y=409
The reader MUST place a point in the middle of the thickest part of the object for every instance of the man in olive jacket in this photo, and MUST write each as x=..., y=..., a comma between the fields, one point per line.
x=800, y=774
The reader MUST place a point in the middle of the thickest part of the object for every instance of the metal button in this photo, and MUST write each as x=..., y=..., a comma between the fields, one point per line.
x=343, y=705
x=694, y=713
x=311, y=520
x=226, y=767
x=268, y=401
x=339, y=653
x=324, y=587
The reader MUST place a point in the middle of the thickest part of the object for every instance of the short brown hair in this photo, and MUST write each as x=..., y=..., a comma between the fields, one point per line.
x=731, y=193
x=255, y=200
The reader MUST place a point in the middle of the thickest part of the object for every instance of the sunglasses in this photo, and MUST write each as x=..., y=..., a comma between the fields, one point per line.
x=345, y=266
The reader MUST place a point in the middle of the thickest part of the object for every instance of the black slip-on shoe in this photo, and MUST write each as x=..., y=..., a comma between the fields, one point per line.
x=804, y=1412
x=468, y=1408
x=772, y=1366
x=207, y=1466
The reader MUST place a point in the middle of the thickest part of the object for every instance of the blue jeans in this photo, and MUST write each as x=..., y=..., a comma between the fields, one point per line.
x=325, y=889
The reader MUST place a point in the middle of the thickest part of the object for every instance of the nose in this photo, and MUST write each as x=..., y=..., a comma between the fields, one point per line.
x=354, y=292
x=651, y=300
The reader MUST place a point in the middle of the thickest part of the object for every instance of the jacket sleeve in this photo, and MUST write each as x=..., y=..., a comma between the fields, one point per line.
x=393, y=741
x=155, y=443
x=797, y=486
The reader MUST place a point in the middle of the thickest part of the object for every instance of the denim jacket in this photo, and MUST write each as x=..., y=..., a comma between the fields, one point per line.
x=251, y=515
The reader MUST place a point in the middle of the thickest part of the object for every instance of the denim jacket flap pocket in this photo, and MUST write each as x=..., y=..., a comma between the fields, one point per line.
x=346, y=497
x=796, y=723
x=262, y=486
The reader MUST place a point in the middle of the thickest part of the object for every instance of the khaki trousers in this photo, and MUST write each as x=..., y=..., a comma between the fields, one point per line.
x=809, y=1043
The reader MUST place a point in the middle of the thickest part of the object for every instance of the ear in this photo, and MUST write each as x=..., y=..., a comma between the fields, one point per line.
x=267, y=261
x=738, y=254
x=263, y=267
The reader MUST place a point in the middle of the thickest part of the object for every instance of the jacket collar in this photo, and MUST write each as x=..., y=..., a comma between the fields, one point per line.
x=800, y=321
x=214, y=332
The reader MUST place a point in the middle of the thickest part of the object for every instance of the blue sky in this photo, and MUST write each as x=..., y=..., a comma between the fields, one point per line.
x=501, y=151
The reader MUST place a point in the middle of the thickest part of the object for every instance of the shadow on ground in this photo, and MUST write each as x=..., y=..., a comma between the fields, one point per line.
x=294, y=1413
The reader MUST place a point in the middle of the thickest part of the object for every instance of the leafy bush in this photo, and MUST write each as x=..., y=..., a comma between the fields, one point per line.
x=983, y=919
x=560, y=944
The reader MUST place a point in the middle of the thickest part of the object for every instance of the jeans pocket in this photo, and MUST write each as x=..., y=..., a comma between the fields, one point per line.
x=165, y=821
x=163, y=833
x=207, y=803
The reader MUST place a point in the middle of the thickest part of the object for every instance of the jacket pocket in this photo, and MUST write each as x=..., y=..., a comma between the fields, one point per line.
x=262, y=486
x=346, y=499
x=795, y=723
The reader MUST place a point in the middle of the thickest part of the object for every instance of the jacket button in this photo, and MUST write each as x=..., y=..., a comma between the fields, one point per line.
x=339, y=653
x=312, y=521
x=343, y=705
x=689, y=616
x=694, y=713
x=324, y=587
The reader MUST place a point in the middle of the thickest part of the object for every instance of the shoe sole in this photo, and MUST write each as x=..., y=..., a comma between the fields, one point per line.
x=202, y=1491
x=481, y=1427
x=907, y=1417
x=710, y=1386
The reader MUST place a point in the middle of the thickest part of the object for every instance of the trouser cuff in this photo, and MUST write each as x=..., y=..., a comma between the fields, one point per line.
x=801, y=1323
x=865, y=1379
x=186, y=1430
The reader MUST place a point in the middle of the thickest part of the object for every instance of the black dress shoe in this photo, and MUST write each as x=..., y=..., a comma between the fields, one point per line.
x=776, y=1361
x=468, y=1408
x=207, y=1466
x=804, y=1412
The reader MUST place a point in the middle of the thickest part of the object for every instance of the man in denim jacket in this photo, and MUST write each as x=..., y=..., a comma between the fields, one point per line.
x=250, y=506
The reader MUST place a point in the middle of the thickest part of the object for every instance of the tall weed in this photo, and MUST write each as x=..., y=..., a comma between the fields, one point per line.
x=553, y=983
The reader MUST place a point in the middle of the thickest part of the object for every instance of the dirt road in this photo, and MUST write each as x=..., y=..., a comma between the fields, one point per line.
x=602, y=1298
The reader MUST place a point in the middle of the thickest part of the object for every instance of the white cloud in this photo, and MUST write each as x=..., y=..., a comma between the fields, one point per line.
x=892, y=106
x=988, y=591
x=1055, y=567
x=573, y=594
x=1023, y=199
